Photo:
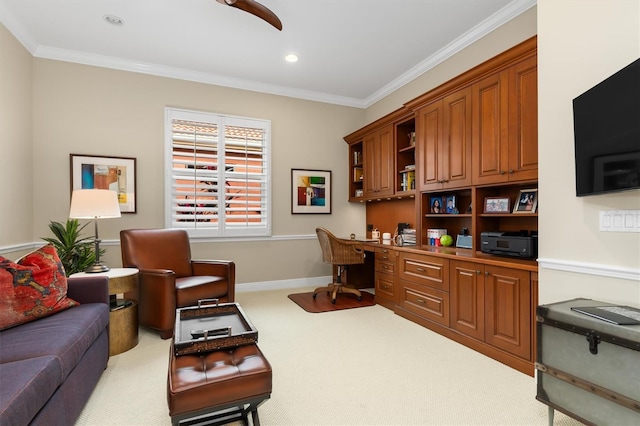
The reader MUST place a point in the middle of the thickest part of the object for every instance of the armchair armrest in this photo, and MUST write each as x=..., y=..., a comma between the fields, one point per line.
x=157, y=291
x=89, y=289
x=218, y=268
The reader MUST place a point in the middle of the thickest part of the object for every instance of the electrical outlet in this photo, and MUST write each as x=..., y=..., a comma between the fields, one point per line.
x=620, y=220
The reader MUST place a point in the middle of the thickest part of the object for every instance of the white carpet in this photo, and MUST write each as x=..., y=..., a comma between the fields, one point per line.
x=363, y=366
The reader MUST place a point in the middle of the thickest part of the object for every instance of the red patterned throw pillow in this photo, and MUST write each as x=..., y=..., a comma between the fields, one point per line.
x=33, y=287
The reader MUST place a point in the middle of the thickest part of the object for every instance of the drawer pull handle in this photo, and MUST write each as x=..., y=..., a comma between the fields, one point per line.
x=420, y=301
x=385, y=286
x=420, y=269
x=385, y=266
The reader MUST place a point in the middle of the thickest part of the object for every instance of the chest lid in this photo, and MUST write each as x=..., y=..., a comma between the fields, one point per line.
x=561, y=315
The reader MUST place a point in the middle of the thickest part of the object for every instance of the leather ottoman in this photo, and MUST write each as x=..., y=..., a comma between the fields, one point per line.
x=221, y=386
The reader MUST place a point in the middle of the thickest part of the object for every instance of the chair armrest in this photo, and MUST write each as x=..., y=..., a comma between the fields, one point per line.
x=218, y=268
x=89, y=289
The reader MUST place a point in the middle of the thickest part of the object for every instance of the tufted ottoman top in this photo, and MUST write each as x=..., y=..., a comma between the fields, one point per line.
x=201, y=381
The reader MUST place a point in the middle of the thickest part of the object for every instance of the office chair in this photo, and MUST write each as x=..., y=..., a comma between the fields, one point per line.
x=340, y=253
x=169, y=278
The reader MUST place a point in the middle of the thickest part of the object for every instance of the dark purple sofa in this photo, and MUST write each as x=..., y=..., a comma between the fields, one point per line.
x=49, y=367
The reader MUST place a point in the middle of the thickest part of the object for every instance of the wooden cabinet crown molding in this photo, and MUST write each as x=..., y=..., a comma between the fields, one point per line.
x=503, y=60
x=393, y=117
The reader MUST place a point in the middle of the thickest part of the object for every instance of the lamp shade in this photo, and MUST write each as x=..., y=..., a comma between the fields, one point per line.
x=93, y=204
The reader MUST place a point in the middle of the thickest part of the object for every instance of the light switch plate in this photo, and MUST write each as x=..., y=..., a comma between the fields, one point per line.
x=620, y=220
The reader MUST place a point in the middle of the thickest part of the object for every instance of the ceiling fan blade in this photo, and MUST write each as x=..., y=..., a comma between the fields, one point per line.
x=256, y=9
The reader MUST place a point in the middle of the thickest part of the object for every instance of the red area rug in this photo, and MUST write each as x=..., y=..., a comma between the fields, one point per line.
x=322, y=302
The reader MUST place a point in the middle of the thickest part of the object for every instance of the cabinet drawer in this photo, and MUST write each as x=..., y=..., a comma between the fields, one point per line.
x=385, y=286
x=426, y=302
x=386, y=267
x=427, y=270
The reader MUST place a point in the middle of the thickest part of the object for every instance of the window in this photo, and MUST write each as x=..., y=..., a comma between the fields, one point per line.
x=217, y=174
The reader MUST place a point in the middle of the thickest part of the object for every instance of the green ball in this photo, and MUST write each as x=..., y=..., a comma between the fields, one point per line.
x=446, y=240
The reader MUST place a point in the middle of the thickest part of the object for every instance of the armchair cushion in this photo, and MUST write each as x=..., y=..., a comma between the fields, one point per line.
x=32, y=288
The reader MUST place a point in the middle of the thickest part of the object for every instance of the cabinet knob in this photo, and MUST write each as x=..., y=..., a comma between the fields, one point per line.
x=511, y=171
x=478, y=271
x=486, y=273
x=502, y=172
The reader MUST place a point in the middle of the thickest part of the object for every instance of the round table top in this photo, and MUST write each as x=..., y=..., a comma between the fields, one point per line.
x=111, y=273
x=121, y=280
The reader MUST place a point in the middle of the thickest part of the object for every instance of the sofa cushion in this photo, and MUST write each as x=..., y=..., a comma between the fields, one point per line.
x=32, y=288
x=26, y=387
x=66, y=335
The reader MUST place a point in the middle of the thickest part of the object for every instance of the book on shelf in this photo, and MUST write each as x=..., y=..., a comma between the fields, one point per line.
x=357, y=157
x=408, y=181
x=357, y=174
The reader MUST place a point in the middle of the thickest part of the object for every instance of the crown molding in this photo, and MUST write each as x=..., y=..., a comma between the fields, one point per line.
x=504, y=15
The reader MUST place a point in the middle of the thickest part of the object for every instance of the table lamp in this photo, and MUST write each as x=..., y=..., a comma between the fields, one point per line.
x=94, y=204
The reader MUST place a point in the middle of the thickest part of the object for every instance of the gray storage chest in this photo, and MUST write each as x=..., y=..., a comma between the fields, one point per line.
x=587, y=368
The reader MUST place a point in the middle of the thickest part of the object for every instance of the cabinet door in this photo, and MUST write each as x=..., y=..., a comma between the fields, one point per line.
x=490, y=136
x=467, y=298
x=508, y=315
x=428, y=134
x=379, y=170
x=523, y=120
x=455, y=158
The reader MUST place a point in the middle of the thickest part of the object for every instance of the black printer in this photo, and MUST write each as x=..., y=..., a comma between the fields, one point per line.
x=516, y=244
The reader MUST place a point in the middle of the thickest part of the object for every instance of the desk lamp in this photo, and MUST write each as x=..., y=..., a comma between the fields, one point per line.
x=94, y=204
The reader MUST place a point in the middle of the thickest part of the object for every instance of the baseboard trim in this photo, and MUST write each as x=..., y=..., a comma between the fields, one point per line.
x=283, y=284
x=632, y=274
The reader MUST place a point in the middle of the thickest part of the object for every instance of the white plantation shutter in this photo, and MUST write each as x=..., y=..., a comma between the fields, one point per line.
x=218, y=174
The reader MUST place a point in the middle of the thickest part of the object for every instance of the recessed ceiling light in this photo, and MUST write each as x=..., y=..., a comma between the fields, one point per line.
x=291, y=57
x=113, y=19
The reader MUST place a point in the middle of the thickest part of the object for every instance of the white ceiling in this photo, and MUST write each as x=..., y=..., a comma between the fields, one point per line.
x=352, y=52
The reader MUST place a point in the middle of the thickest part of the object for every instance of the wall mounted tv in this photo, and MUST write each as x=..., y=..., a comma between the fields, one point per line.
x=606, y=124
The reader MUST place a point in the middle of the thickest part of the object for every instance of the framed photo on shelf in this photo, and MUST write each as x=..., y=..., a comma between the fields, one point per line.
x=310, y=191
x=527, y=201
x=497, y=205
x=437, y=205
x=450, y=204
x=100, y=172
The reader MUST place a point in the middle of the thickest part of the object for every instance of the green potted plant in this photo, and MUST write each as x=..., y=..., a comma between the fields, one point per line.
x=76, y=252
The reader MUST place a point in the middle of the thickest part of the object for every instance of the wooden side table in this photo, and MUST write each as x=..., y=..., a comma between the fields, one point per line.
x=123, y=318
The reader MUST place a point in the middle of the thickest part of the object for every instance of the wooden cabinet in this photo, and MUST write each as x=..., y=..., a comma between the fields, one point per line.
x=379, y=170
x=505, y=125
x=443, y=131
x=424, y=285
x=356, y=172
x=508, y=305
x=386, y=262
x=492, y=304
x=467, y=298
x=405, y=132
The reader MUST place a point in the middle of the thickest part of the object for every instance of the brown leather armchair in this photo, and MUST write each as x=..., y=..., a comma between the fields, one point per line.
x=169, y=278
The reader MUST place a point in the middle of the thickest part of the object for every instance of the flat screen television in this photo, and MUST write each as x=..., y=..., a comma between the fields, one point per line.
x=606, y=124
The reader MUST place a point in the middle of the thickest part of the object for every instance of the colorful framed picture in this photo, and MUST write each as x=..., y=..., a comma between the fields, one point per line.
x=497, y=205
x=100, y=172
x=310, y=191
x=527, y=201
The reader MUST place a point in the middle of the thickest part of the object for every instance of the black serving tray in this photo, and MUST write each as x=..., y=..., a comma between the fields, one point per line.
x=208, y=328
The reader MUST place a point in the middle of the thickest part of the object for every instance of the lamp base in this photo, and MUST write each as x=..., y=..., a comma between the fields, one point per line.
x=96, y=268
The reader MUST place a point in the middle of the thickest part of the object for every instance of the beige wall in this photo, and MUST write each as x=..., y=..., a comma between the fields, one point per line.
x=580, y=43
x=508, y=35
x=88, y=110
x=16, y=155
x=97, y=111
